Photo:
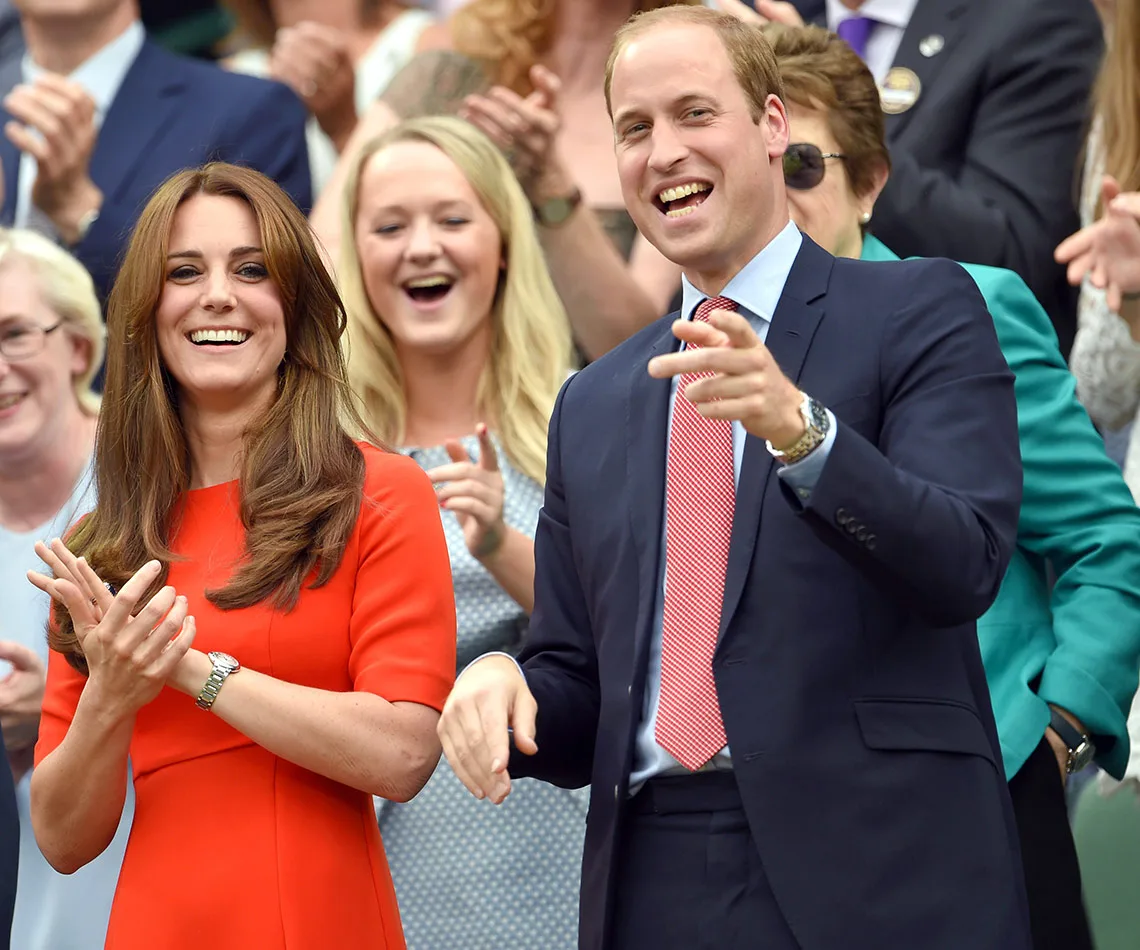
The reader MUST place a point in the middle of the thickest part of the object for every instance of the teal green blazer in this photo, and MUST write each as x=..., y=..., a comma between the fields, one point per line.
x=1082, y=636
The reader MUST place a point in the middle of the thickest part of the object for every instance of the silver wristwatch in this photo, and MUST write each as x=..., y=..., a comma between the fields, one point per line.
x=224, y=665
x=816, y=426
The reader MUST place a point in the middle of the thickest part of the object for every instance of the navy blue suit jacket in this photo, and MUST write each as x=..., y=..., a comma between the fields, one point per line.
x=170, y=113
x=983, y=165
x=848, y=669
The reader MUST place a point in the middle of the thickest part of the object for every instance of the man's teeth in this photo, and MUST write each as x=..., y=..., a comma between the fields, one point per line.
x=682, y=191
x=7, y=402
x=219, y=336
x=422, y=283
x=680, y=212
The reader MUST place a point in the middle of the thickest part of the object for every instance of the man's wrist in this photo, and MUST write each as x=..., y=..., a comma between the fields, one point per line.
x=793, y=427
x=74, y=218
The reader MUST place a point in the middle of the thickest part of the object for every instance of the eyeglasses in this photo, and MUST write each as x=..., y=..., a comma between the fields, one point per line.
x=21, y=341
x=804, y=165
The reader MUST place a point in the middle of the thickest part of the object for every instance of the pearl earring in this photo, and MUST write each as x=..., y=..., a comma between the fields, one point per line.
x=865, y=218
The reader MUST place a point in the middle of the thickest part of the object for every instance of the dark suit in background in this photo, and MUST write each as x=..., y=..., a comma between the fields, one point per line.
x=847, y=666
x=170, y=113
x=9, y=850
x=985, y=161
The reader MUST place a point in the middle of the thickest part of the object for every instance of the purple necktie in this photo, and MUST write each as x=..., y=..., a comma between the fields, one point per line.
x=855, y=31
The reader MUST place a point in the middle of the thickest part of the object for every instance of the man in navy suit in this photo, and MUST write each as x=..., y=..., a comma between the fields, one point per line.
x=98, y=116
x=760, y=562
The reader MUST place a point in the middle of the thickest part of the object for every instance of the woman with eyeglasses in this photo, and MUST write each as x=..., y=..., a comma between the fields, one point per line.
x=51, y=346
x=1060, y=660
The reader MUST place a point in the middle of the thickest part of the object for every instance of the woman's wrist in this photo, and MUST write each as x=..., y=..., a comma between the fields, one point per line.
x=490, y=545
x=191, y=673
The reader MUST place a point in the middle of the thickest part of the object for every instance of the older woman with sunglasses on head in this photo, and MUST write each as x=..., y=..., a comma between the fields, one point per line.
x=1061, y=662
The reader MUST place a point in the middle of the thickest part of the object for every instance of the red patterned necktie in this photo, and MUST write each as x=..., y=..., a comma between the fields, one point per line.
x=700, y=495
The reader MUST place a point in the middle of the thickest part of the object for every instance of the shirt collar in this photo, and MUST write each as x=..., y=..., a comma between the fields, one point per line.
x=103, y=73
x=895, y=13
x=757, y=286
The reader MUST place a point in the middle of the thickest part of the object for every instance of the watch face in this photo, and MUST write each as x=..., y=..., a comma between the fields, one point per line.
x=224, y=660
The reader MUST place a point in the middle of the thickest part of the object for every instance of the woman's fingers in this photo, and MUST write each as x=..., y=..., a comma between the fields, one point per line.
x=99, y=592
x=153, y=645
x=124, y=603
x=47, y=554
x=128, y=637
x=174, y=650
x=488, y=457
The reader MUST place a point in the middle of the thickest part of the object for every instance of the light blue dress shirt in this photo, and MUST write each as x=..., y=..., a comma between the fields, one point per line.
x=756, y=290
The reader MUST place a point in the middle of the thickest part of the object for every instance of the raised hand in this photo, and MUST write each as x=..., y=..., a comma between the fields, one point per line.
x=525, y=129
x=129, y=658
x=313, y=60
x=1107, y=251
x=746, y=384
x=490, y=697
x=56, y=126
x=767, y=11
x=21, y=695
x=474, y=491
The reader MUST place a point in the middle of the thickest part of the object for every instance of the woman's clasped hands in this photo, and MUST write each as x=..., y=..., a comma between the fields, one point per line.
x=131, y=653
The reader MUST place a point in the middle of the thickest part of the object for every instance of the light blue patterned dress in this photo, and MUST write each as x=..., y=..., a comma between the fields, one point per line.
x=470, y=875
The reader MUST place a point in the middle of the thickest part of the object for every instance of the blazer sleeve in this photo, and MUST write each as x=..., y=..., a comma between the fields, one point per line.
x=1078, y=516
x=1008, y=201
x=558, y=656
x=929, y=510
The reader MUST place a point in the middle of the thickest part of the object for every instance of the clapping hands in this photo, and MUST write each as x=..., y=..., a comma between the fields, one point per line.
x=525, y=129
x=130, y=657
x=314, y=61
x=56, y=126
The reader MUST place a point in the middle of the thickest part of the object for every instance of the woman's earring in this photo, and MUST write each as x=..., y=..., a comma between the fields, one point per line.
x=865, y=218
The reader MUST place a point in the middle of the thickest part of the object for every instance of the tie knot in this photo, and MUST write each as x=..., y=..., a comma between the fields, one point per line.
x=856, y=31
x=710, y=304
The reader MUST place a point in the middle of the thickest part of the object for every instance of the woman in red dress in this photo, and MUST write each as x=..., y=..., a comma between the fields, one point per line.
x=283, y=635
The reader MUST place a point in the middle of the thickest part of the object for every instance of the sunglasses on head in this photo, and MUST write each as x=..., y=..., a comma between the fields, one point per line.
x=804, y=165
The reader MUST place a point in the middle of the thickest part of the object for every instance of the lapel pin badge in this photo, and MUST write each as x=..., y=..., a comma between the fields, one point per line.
x=899, y=90
x=932, y=45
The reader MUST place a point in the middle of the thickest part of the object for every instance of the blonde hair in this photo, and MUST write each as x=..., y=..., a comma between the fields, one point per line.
x=511, y=36
x=1117, y=98
x=531, y=346
x=68, y=291
x=749, y=52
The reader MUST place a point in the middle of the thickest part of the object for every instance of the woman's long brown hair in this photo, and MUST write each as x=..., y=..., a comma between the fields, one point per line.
x=301, y=474
x=1117, y=98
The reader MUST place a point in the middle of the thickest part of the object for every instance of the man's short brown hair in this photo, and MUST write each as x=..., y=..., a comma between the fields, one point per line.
x=821, y=72
x=749, y=52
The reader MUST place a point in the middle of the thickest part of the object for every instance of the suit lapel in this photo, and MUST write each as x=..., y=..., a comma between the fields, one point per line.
x=924, y=55
x=789, y=337
x=147, y=102
x=647, y=426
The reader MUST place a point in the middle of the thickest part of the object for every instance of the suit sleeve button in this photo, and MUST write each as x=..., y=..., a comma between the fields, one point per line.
x=842, y=517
